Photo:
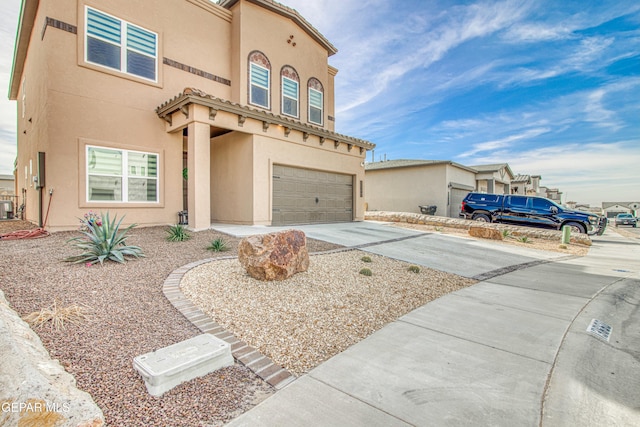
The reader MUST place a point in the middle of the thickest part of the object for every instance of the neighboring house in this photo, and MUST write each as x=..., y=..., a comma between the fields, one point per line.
x=611, y=209
x=7, y=185
x=118, y=100
x=494, y=179
x=403, y=185
x=521, y=184
x=550, y=193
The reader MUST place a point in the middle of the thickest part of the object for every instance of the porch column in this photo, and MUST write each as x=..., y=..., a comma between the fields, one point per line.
x=199, y=180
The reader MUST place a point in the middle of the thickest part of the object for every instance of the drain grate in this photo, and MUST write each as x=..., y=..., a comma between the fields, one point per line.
x=599, y=329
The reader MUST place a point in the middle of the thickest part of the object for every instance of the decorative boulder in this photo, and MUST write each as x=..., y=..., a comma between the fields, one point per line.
x=485, y=233
x=274, y=256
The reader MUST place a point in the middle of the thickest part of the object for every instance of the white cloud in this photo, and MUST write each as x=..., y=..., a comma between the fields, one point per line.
x=589, y=173
x=507, y=141
x=8, y=24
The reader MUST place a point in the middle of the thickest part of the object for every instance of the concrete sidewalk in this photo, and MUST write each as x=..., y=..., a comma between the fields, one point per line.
x=512, y=350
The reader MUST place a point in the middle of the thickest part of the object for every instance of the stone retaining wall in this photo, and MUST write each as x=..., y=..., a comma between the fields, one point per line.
x=34, y=389
x=463, y=224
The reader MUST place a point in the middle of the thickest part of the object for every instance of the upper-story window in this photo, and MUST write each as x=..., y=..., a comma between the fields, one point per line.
x=290, y=91
x=316, y=102
x=259, y=80
x=120, y=45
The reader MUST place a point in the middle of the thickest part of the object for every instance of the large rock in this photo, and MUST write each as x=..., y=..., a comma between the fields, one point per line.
x=35, y=390
x=274, y=256
x=485, y=232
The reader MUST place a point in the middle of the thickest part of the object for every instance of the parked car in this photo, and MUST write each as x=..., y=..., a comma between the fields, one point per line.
x=626, y=219
x=529, y=211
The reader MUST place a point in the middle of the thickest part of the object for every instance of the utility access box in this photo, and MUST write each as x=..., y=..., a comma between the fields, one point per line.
x=170, y=366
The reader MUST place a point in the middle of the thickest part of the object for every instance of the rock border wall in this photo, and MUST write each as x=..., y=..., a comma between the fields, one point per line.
x=35, y=390
x=463, y=224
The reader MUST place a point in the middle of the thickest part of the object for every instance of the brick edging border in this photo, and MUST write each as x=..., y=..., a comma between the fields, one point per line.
x=275, y=375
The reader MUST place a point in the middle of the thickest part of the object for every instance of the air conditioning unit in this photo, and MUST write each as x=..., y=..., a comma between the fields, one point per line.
x=6, y=209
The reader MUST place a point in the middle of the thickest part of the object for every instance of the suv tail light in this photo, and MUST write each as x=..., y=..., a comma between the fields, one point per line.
x=462, y=206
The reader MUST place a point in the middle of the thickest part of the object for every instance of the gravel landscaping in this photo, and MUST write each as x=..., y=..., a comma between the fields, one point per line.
x=298, y=322
x=129, y=316
x=304, y=320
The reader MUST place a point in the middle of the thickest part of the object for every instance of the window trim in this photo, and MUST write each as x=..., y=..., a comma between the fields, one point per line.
x=297, y=99
x=321, y=108
x=251, y=84
x=124, y=177
x=124, y=48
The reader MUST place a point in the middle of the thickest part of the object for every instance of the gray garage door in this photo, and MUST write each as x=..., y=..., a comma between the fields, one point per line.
x=305, y=196
x=457, y=195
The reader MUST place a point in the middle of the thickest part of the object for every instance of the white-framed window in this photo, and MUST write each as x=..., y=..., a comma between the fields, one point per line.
x=259, y=92
x=290, y=97
x=315, y=106
x=121, y=176
x=119, y=45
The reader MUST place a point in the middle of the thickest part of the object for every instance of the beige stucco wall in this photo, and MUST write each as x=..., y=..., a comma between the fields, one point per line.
x=310, y=155
x=242, y=169
x=254, y=28
x=404, y=189
x=232, y=178
x=74, y=104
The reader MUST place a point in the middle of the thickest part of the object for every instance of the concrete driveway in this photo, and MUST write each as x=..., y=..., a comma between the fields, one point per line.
x=462, y=256
x=516, y=349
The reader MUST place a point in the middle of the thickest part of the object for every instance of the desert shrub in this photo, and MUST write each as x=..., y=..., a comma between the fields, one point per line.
x=414, y=269
x=56, y=316
x=177, y=233
x=102, y=240
x=366, y=272
x=365, y=259
x=506, y=233
x=218, y=245
x=524, y=239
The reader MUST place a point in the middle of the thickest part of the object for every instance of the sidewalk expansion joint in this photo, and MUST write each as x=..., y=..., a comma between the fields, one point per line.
x=384, y=242
x=511, y=268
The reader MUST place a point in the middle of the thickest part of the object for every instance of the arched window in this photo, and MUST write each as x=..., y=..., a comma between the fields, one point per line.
x=259, y=80
x=316, y=101
x=290, y=91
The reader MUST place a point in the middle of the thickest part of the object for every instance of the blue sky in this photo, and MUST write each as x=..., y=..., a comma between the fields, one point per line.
x=550, y=87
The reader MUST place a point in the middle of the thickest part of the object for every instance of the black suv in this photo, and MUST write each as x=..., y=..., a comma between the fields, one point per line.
x=529, y=211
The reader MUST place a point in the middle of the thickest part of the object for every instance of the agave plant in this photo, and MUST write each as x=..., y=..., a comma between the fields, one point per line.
x=177, y=233
x=218, y=245
x=103, y=240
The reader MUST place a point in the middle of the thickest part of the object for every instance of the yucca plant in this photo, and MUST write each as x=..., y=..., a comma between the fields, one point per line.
x=177, y=233
x=102, y=240
x=218, y=245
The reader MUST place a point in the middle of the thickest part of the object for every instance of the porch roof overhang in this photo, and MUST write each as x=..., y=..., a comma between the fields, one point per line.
x=190, y=96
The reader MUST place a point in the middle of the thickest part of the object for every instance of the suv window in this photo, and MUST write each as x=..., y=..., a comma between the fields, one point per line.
x=541, y=204
x=480, y=197
x=518, y=201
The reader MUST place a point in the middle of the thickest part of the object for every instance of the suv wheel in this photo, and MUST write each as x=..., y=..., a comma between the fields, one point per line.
x=481, y=218
x=576, y=227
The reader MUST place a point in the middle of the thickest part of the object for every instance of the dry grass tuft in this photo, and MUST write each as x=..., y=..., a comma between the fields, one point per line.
x=57, y=316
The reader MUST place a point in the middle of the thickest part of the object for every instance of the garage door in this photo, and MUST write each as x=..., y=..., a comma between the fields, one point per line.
x=306, y=196
x=457, y=195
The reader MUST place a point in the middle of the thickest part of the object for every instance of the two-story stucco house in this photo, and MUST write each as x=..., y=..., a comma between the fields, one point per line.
x=148, y=108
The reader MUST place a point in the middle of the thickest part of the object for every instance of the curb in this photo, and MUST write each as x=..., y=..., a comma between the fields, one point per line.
x=275, y=375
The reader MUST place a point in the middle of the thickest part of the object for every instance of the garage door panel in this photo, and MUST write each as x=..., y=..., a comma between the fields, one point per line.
x=302, y=196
